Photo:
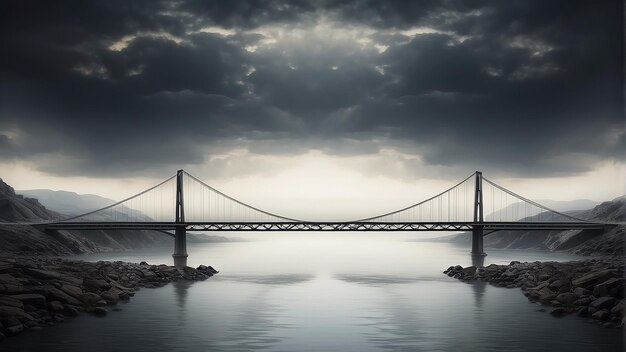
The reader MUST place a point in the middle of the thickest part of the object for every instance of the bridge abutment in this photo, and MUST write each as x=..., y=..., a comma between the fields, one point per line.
x=180, y=247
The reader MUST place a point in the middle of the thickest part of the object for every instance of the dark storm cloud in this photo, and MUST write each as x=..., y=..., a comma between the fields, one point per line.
x=97, y=88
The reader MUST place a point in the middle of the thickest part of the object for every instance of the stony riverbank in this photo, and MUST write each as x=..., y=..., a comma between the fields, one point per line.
x=591, y=288
x=38, y=292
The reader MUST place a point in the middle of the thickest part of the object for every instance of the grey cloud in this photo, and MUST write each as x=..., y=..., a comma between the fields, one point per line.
x=520, y=87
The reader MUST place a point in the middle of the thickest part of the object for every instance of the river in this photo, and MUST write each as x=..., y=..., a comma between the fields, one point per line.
x=325, y=292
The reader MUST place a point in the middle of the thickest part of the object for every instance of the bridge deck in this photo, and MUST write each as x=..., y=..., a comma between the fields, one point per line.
x=323, y=226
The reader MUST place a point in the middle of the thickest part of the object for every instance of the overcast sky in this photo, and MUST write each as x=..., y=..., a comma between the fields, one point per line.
x=285, y=102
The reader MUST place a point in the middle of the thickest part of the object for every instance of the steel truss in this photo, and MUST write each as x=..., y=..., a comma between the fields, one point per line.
x=323, y=226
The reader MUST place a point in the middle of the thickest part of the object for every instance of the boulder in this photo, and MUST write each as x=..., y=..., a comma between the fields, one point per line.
x=582, y=301
x=602, y=303
x=556, y=284
x=470, y=270
x=601, y=315
x=56, y=306
x=96, y=285
x=99, y=311
x=72, y=290
x=15, y=329
x=11, y=302
x=600, y=291
x=56, y=294
x=70, y=311
x=592, y=279
x=567, y=298
x=90, y=298
x=580, y=291
x=15, y=312
x=10, y=289
x=557, y=312
x=618, y=309
x=33, y=299
x=42, y=274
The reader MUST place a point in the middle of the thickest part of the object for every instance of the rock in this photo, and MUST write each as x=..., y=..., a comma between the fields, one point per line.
x=556, y=284
x=70, y=311
x=583, y=312
x=582, y=301
x=144, y=263
x=9, y=321
x=56, y=294
x=33, y=299
x=16, y=312
x=56, y=306
x=72, y=290
x=592, y=279
x=8, y=279
x=90, y=298
x=618, y=309
x=600, y=291
x=601, y=315
x=580, y=291
x=99, y=311
x=96, y=285
x=42, y=274
x=602, y=302
x=567, y=298
x=10, y=289
x=470, y=270
x=545, y=295
x=74, y=281
x=14, y=330
x=11, y=302
x=557, y=312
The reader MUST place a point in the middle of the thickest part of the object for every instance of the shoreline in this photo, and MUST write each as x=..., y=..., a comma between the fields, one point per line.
x=590, y=288
x=36, y=292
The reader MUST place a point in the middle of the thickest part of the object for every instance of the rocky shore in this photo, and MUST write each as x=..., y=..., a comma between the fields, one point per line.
x=591, y=288
x=38, y=292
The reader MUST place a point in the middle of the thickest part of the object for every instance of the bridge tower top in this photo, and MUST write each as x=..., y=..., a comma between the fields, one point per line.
x=180, y=200
x=478, y=198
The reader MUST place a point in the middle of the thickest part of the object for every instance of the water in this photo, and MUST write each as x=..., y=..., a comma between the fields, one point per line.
x=326, y=292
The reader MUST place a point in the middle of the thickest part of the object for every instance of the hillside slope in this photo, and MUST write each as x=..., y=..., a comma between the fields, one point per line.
x=25, y=239
x=67, y=203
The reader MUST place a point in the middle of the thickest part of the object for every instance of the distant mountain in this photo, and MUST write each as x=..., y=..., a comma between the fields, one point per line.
x=17, y=208
x=572, y=207
x=67, y=203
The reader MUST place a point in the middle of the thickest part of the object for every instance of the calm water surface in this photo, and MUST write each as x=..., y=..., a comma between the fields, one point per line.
x=326, y=292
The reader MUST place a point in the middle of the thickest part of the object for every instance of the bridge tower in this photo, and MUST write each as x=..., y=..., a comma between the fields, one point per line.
x=477, y=228
x=180, y=237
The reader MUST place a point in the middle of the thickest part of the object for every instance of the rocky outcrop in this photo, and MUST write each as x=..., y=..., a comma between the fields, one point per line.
x=28, y=240
x=36, y=292
x=17, y=208
x=590, y=288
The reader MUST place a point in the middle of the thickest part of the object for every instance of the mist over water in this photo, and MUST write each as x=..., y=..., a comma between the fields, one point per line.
x=326, y=291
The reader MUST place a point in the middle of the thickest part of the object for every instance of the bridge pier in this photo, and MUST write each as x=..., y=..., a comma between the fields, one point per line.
x=180, y=247
x=477, y=240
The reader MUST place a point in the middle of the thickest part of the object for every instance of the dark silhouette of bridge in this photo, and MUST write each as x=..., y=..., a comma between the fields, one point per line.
x=184, y=203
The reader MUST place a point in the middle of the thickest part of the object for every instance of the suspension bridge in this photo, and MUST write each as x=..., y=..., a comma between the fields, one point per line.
x=184, y=203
